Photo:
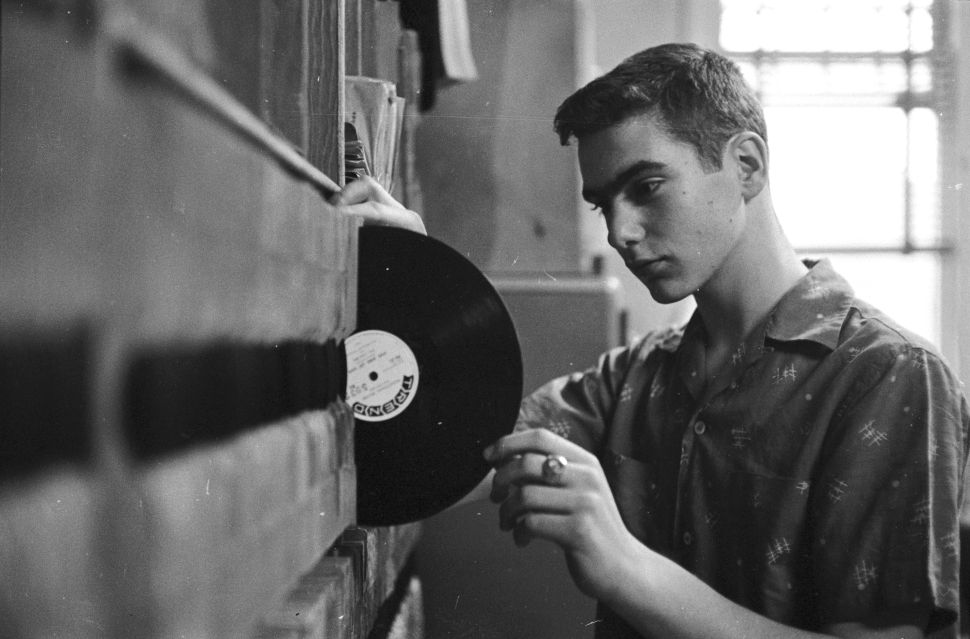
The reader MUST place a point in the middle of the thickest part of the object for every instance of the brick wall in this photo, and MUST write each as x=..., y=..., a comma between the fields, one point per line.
x=175, y=456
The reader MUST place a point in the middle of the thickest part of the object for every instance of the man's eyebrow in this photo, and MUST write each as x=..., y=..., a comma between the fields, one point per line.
x=614, y=186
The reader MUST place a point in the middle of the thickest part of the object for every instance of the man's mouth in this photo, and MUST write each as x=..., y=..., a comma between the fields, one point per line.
x=646, y=267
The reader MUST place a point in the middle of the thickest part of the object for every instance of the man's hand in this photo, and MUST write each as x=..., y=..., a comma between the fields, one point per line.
x=574, y=509
x=367, y=199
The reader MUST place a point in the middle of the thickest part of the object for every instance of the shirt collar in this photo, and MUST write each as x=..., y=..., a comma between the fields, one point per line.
x=814, y=309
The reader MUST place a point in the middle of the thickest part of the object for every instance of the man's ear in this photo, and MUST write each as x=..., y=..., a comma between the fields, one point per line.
x=748, y=152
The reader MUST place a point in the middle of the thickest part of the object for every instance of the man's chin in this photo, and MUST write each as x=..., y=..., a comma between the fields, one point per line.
x=666, y=291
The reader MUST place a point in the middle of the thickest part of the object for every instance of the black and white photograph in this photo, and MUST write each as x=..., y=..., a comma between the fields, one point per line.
x=484, y=319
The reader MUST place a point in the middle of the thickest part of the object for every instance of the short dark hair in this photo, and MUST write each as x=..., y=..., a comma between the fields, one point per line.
x=700, y=96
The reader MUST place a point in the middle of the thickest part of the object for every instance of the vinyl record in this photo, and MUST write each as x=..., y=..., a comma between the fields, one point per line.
x=434, y=375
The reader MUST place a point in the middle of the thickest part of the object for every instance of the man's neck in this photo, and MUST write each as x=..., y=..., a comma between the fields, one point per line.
x=752, y=280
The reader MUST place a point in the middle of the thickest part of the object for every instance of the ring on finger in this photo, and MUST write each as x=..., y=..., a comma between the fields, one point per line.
x=553, y=468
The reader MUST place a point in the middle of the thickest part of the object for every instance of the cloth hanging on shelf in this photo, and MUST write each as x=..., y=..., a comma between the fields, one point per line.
x=445, y=42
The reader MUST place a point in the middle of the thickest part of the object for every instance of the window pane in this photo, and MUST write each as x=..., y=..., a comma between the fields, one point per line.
x=854, y=26
x=924, y=177
x=843, y=81
x=921, y=36
x=837, y=174
x=905, y=287
x=813, y=25
x=921, y=76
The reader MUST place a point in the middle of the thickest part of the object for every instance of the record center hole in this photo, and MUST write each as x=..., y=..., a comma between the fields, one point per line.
x=373, y=376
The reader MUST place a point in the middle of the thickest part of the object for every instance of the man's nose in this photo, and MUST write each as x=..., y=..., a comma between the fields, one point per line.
x=625, y=226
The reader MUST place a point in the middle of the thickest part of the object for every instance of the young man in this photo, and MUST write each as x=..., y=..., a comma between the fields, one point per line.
x=787, y=464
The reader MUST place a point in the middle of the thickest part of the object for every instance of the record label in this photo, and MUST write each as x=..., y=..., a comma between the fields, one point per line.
x=382, y=375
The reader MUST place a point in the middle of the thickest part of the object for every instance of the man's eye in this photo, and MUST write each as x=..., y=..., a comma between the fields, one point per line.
x=644, y=190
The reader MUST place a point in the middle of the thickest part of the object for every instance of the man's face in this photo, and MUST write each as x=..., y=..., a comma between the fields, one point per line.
x=674, y=224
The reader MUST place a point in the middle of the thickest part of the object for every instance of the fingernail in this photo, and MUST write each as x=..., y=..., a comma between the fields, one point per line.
x=487, y=453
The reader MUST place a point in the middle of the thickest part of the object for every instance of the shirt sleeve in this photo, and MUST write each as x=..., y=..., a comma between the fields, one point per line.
x=580, y=406
x=885, y=502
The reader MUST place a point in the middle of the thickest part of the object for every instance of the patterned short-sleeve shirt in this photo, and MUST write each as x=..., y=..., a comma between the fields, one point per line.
x=820, y=480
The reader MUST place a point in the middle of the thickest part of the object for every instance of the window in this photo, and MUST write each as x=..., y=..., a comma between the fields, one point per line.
x=853, y=103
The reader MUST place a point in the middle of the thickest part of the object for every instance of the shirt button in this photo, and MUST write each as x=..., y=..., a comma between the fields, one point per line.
x=688, y=539
x=700, y=427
